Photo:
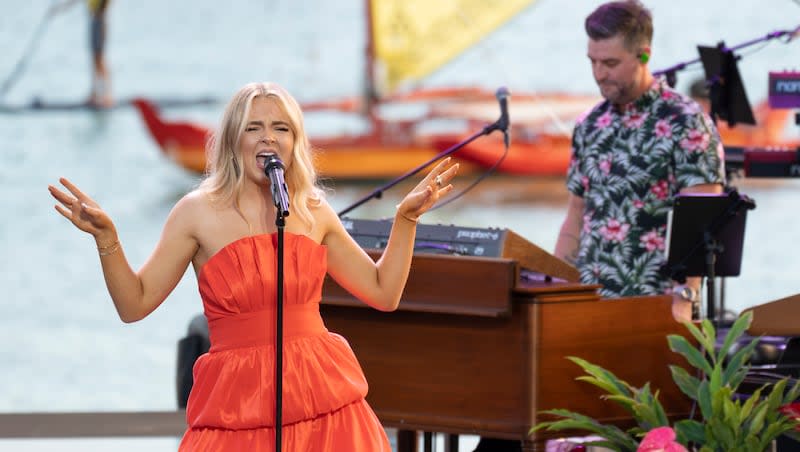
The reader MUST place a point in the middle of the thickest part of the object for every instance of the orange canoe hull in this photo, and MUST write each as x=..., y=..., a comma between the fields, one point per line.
x=381, y=156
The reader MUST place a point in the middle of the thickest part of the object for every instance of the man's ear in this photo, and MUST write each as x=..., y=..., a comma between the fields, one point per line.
x=644, y=55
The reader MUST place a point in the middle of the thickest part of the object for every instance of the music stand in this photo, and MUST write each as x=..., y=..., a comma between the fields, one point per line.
x=705, y=237
x=726, y=91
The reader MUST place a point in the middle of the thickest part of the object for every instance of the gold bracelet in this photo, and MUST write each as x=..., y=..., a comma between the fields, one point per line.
x=115, y=242
x=109, y=249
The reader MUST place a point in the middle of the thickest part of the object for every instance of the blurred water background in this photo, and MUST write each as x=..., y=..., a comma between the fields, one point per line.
x=62, y=347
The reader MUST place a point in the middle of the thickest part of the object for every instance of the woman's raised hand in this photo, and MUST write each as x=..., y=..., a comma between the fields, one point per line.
x=83, y=212
x=435, y=185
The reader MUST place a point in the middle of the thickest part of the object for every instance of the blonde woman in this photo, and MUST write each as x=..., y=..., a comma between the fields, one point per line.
x=226, y=230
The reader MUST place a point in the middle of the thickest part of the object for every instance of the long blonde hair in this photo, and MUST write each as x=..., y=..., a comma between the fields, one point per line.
x=224, y=176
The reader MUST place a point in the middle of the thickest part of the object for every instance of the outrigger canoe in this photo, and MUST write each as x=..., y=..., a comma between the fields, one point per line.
x=395, y=146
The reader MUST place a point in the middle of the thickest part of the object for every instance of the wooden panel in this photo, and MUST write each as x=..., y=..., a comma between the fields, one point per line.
x=439, y=372
x=777, y=318
x=491, y=376
x=447, y=284
x=535, y=258
x=478, y=347
x=627, y=336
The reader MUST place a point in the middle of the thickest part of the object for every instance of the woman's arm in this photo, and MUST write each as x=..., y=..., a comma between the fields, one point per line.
x=380, y=284
x=135, y=295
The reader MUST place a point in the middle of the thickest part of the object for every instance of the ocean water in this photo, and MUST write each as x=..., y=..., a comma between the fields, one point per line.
x=62, y=346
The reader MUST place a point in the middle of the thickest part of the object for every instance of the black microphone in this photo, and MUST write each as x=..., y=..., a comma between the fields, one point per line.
x=503, y=123
x=280, y=195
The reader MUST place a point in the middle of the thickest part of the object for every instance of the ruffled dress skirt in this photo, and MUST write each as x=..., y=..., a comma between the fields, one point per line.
x=232, y=403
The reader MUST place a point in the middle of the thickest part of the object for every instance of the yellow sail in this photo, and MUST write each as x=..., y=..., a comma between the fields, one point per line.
x=413, y=38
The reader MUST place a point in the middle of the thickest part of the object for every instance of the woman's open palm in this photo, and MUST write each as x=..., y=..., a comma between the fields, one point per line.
x=81, y=210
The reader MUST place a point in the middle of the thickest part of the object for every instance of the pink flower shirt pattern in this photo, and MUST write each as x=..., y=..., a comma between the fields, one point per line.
x=627, y=166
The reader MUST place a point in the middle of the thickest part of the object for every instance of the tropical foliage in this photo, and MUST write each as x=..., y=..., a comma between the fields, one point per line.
x=727, y=422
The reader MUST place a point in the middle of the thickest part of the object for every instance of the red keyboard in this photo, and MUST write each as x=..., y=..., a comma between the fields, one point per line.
x=762, y=162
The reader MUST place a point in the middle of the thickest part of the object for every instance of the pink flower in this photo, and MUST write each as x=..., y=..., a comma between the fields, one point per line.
x=792, y=411
x=660, y=189
x=605, y=166
x=666, y=95
x=585, y=183
x=635, y=120
x=638, y=203
x=660, y=439
x=691, y=108
x=652, y=241
x=695, y=141
x=603, y=121
x=663, y=129
x=614, y=230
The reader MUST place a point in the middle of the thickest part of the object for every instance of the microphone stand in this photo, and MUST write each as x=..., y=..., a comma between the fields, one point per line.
x=273, y=169
x=712, y=246
x=280, y=222
x=502, y=123
x=670, y=72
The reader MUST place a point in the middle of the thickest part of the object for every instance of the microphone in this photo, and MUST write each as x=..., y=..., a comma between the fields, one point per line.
x=280, y=195
x=503, y=123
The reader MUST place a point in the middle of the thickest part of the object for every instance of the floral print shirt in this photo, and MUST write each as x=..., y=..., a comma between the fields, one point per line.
x=627, y=166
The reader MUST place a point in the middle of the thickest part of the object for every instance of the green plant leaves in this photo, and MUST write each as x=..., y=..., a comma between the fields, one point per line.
x=602, y=378
x=702, y=337
x=679, y=344
x=703, y=398
x=575, y=421
x=687, y=431
x=685, y=382
x=736, y=331
x=727, y=425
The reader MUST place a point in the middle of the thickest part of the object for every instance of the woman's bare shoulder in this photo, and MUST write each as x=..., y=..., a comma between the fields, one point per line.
x=327, y=220
x=323, y=212
x=191, y=208
x=195, y=199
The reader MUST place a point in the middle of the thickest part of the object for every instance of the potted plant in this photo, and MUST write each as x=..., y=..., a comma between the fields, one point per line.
x=724, y=422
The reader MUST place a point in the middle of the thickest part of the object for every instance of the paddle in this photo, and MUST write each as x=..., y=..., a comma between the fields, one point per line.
x=23, y=62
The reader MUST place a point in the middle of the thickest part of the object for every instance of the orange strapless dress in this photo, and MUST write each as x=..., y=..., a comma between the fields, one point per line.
x=232, y=403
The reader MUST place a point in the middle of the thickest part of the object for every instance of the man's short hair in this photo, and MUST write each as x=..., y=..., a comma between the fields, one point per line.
x=628, y=18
